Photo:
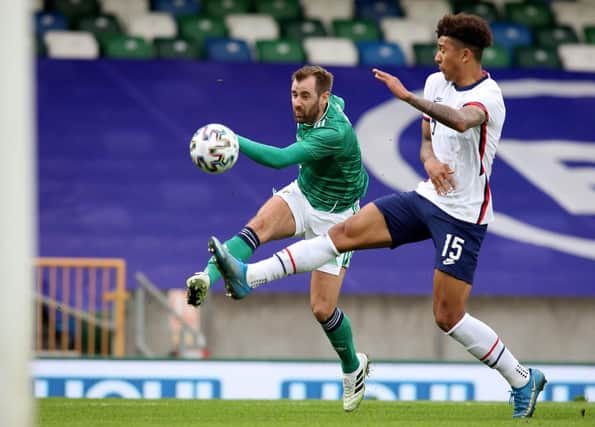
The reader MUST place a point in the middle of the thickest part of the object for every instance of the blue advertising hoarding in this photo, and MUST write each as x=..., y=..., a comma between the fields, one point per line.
x=116, y=180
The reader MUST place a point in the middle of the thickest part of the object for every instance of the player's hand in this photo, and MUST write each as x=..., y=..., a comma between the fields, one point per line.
x=393, y=83
x=441, y=176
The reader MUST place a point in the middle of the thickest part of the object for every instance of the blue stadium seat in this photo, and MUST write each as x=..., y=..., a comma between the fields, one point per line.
x=377, y=9
x=177, y=7
x=46, y=21
x=510, y=35
x=228, y=50
x=380, y=53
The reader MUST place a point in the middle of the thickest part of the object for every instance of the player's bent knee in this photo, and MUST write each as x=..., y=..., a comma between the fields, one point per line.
x=442, y=324
x=321, y=310
x=447, y=320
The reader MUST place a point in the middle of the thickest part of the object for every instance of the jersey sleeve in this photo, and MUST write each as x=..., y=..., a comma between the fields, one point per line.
x=274, y=157
x=489, y=99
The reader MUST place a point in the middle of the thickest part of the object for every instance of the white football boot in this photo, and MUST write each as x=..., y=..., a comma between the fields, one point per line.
x=354, y=384
x=197, y=287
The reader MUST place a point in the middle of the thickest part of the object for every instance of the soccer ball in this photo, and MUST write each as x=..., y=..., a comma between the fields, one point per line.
x=214, y=148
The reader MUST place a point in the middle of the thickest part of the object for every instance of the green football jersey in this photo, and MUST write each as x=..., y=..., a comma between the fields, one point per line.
x=336, y=178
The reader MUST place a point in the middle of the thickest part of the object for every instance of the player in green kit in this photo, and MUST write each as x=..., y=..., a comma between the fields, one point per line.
x=330, y=183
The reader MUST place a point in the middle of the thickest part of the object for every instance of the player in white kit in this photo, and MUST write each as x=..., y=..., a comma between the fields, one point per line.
x=463, y=114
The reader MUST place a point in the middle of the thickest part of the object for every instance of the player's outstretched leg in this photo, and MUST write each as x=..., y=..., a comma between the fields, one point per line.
x=242, y=246
x=232, y=270
x=354, y=384
x=525, y=397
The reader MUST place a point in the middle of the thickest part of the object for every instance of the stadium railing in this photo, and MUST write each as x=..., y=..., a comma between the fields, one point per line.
x=80, y=306
x=185, y=322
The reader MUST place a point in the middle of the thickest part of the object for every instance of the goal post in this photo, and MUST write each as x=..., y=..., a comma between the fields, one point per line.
x=18, y=212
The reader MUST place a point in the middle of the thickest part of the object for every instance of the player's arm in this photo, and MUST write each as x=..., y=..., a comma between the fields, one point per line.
x=274, y=157
x=439, y=173
x=469, y=116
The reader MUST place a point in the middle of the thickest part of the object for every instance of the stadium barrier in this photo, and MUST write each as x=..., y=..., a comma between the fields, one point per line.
x=80, y=306
x=292, y=379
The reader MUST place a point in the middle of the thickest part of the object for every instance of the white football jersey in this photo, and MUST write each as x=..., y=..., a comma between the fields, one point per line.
x=471, y=153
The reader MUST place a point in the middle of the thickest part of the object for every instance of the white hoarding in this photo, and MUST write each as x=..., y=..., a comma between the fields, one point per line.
x=203, y=379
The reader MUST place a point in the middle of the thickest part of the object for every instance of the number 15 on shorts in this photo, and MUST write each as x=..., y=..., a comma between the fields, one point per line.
x=452, y=249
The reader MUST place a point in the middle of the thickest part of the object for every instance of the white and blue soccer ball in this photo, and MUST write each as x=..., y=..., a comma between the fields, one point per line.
x=214, y=148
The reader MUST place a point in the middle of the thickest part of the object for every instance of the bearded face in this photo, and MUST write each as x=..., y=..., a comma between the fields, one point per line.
x=306, y=103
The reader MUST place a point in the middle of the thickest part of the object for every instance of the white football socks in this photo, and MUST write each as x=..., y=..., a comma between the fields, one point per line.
x=483, y=343
x=303, y=256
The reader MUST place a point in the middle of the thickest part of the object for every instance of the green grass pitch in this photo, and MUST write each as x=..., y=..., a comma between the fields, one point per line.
x=60, y=412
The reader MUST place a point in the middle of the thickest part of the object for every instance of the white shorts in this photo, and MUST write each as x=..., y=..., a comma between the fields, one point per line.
x=310, y=222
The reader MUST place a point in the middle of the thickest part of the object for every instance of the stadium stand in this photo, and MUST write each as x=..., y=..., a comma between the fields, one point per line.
x=252, y=27
x=280, y=51
x=537, y=57
x=124, y=46
x=36, y=5
x=555, y=35
x=406, y=33
x=199, y=28
x=182, y=29
x=496, y=57
x=177, y=48
x=424, y=54
x=301, y=29
x=280, y=10
x=426, y=10
x=71, y=44
x=228, y=50
x=357, y=30
x=578, y=57
x=511, y=35
x=49, y=20
x=222, y=8
x=375, y=10
x=590, y=34
x=330, y=51
x=177, y=7
x=152, y=25
x=533, y=15
x=328, y=11
x=99, y=25
x=380, y=53
x=125, y=10
x=487, y=10
x=576, y=14
x=75, y=9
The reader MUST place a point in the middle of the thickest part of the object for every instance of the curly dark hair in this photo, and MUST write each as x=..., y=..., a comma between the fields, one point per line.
x=324, y=79
x=471, y=30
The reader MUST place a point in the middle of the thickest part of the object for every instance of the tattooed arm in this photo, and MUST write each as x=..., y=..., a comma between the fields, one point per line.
x=460, y=120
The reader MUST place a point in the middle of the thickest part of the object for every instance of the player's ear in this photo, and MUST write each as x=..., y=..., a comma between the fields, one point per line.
x=325, y=95
x=467, y=55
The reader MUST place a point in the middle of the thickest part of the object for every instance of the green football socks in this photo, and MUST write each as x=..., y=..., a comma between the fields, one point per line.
x=241, y=246
x=338, y=331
